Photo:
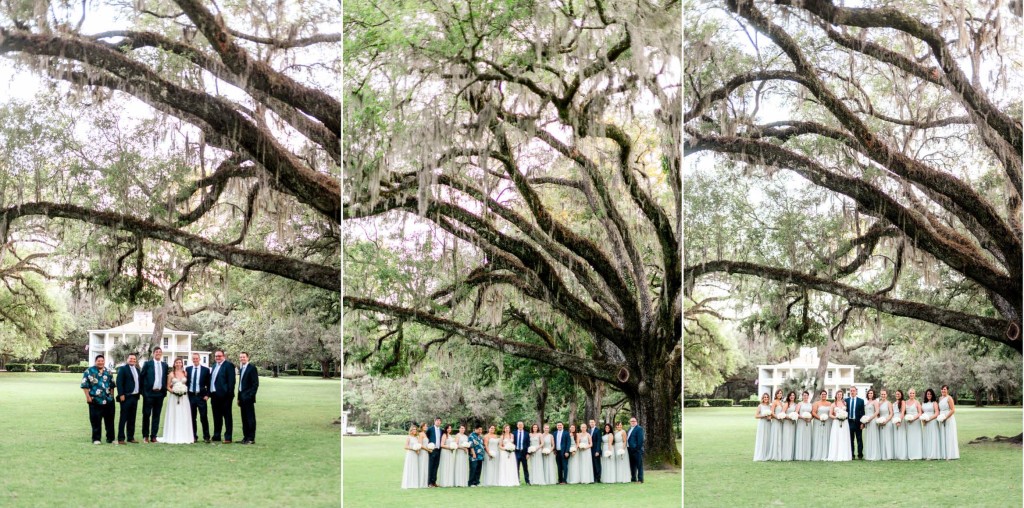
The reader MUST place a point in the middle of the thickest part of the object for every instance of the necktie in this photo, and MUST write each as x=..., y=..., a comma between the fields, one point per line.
x=157, y=384
x=241, y=377
x=195, y=379
x=558, y=441
x=213, y=381
x=519, y=439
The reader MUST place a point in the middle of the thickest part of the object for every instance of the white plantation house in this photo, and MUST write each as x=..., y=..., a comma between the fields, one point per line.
x=771, y=377
x=176, y=344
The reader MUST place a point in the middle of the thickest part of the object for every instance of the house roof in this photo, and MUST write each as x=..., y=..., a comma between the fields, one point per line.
x=807, y=359
x=142, y=323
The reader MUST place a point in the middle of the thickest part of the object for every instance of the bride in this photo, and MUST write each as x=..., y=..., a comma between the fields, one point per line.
x=178, y=424
x=839, y=440
x=508, y=471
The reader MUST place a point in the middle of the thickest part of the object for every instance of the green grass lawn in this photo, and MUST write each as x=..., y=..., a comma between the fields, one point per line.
x=49, y=459
x=719, y=468
x=373, y=478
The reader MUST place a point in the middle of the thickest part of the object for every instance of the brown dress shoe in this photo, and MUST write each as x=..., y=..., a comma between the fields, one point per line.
x=132, y=441
x=120, y=442
x=227, y=441
x=145, y=440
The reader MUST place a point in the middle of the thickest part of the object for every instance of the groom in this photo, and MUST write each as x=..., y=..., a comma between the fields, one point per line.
x=154, y=374
x=856, y=410
x=562, y=445
x=522, y=440
x=595, y=439
x=198, y=394
x=434, y=459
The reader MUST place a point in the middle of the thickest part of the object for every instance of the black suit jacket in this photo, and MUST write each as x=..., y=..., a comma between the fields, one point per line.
x=248, y=384
x=595, y=436
x=148, y=377
x=566, y=443
x=204, y=380
x=125, y=382
x=224, y=384
x=435, y=437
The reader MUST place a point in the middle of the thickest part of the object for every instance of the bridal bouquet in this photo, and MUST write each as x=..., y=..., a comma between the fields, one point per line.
x=841, y=415
x=508, y=447
x=865, y=419
x=607, y=454
x=793, y=416
x=178, y=388
x=431, y=446
x=620, y=452
x=417, y=446
x=531, y=449
x=766, y=412
x=942, y=418
x=911, y=418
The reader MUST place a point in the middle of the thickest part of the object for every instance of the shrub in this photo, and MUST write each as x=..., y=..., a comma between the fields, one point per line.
x=969, y=402
x=749, y=403
x=720, y=402
x=17, y=367
x=290, y=372
x=46, y=367
x=691, y=403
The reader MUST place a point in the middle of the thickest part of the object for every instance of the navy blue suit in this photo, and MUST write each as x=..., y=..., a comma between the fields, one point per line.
x=595, y=456
x=522, y=440
x=248, y=385
x=197, y=390
x=152, y=400
x=130, y=405
x=222, y=392
x=562, y=445
x=635, y=449
x=434, y=458
x=855, y=408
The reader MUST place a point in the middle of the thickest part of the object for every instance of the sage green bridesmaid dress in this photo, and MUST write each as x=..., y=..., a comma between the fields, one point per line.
x=899, y=437
x=819, y=449
x=886, y=431
x=775, y=449
x=947, y=432
x=872, y=438
x=930, y=446
x=789, y=434
x=802, y=450
x=915, y=449
x=763, y=440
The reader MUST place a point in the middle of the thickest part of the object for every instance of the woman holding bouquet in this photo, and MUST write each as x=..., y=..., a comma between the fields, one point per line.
x=885, y=433
x=839, y=449
x=508, y=473
x=411, y=469
x=930, y=445
x=803, y=445
x=911, y=415
x=947, y=429
x=178, y=422
x=778, y=416
x=586, y=463
x=424, y=456
x=608, y=454
x=462, y=458
x=489, y=471
x=791, y=410
x=446, y=467
x=573, y=475
x=821, y=426
x=621, y=457
x=762, y=442
x=872, y=447
x=899, y=431
x=536, y=456
x=548, y=452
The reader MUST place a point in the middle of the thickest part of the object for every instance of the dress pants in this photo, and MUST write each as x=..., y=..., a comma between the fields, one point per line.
x=198, y=405
x=151, y=409
x=221, y=417
x=102, y=414
x=129, y=409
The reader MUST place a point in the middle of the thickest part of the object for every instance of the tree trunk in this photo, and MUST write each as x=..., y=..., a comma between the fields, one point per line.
x=325, y=368
x=653, y=405
x=542, y=401
x=594, y=390
x=572, y=406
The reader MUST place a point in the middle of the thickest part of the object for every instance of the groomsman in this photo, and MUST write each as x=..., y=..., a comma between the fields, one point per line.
x=856, y=412
x=562, y=445
x=476, y=458
x=635, y=449
x=128, y=398
x=522, y=440
x=222, y=392
x=434, y=436
x=248, y=385
x=98, y=386
x=595, y=438
x=154, y=376
x=198, y=394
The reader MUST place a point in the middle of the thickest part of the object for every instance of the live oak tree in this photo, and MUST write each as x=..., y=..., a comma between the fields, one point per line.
x=524, y=157
x=188, y=136
x=900, y=129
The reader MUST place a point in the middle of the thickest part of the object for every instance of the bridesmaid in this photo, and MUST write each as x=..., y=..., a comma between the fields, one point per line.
x=778, y=415
x=411, y=470
x=930, y=444
x=536, y=457
x=790, y=406
x=608, y=454
x=586, y=460
x=912, y=415
x=446, y=467
x=550, y=467
x=947, y=429
x=621, y=457
x=762, y=443
x=803, y=430
x=573, y=475
x=885, y=432
x=899, y=432
x=424, y=456
x=872, y=446
x=819, y=441
x=489, y=471
x=462, y=458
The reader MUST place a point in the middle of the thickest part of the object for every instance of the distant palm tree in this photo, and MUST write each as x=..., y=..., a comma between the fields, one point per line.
x=137, y=345
x=798, y=384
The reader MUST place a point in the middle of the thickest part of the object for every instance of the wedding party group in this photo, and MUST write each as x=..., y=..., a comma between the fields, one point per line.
x=189, y=388
x=901, y=429
x=437, y=457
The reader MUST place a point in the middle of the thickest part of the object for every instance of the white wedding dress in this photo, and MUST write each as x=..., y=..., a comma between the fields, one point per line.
x=178, y=422
x=508, y=472
x=839, y=440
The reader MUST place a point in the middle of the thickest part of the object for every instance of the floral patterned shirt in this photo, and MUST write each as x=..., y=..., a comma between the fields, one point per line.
x=99, y=385
x=477, y=443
